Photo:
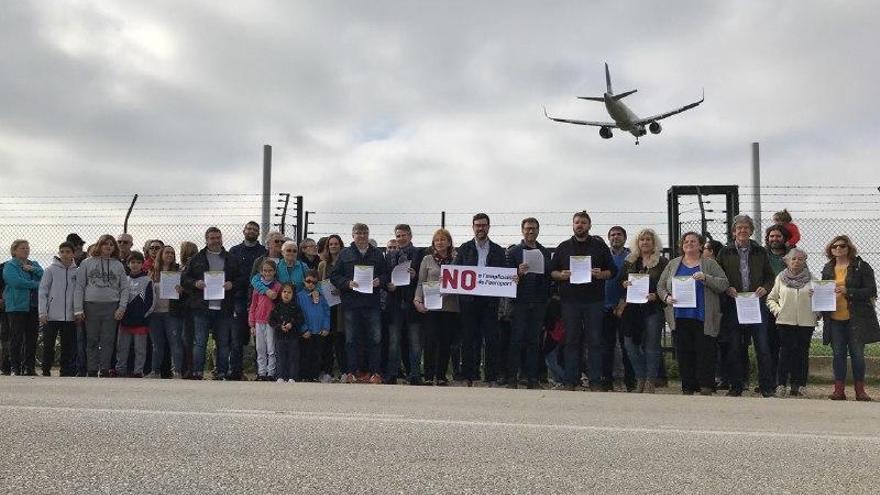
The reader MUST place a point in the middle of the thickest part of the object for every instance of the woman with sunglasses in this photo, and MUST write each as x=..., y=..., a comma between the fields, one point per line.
x=854, y=323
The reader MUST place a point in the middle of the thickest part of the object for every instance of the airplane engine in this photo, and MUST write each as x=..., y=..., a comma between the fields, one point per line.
x=605, y=132
x=655, y=128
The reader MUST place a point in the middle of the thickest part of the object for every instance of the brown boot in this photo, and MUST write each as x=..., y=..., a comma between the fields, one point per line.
x=838, y=393
x=861, y=395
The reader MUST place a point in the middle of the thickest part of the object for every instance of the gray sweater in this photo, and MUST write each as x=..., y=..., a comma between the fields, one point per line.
x=715, y=283
x=56, y=291
x=100, y=280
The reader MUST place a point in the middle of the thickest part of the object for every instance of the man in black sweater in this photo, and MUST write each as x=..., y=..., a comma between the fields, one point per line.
x=479, y=314
x=582, y=303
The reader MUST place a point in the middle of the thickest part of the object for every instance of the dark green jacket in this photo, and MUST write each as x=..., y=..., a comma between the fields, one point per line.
x=760, y=272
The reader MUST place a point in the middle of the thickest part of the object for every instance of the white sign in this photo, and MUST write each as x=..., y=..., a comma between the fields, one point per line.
x=433, y=298
x=684, y=291
x=363, y=277
x=400, y=274
x=748, y=308
x=168, y=281
x=535, y=259
x=330, y=293
x=824, y=298
x=478, y=280
x=581, y=269
x=637, y=292
x=214, y=290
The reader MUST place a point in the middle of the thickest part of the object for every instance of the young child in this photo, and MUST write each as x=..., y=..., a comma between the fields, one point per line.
x=316, y=326
x=265, y=292
x=135, y=323
x=783, y=219
x=56, y=310
x=286, y=319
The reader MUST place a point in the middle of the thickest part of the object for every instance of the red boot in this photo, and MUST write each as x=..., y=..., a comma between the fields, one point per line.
x=861, y=395
x=838, y=393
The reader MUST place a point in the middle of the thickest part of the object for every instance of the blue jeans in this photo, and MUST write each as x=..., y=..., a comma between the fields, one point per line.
x=166, y=328
x=645, y=357
x=583, y=323
x=365, y=325
x=221, y=325
x=409, y=320
x=841, y=342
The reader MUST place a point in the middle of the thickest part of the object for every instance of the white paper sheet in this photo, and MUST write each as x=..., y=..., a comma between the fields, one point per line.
x=363, y=276
x=748, y=308
x=684, y=291
x=637, y=292
x=214, y=290
x=167, y=283
x=433, y=298
x=824, y=298
x=327, y=290
x=535, y=259
x=581, y=269
x=400, y=274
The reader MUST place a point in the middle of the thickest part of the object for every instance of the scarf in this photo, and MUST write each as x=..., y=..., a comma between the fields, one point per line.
x=440, y=259
x=796, y=281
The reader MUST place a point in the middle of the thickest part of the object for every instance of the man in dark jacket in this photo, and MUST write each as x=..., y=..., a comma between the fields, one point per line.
x=530, y=305
x=582, y=303
x=403, y=316
x=748, y=269
x=360, y=305
x=479, y=314
x=245, y=255
x=214, y=315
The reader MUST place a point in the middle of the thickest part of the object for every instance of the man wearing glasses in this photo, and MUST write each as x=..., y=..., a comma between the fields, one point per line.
x=747, y=266
x=124, y=241
x=245, y=254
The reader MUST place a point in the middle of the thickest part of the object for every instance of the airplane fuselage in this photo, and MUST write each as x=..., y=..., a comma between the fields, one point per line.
x=623, y=116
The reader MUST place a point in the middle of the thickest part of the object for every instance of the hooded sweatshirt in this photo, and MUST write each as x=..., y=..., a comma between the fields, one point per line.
x=56, y=291
x=140, y=302
x=100, y=280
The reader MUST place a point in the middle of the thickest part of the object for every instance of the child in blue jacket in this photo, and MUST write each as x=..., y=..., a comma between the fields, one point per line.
x=316, y=327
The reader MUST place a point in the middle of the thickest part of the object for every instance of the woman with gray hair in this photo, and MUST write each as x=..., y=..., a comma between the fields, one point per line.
x=643, y=322
x=790, y=301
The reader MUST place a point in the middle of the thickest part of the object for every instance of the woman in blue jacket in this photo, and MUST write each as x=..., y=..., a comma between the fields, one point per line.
x=22, y=277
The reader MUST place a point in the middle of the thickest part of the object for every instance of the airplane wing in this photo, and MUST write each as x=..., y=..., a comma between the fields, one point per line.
x=670, y=113
x=581, y=122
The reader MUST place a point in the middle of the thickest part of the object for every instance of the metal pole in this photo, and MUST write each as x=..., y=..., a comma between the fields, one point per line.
x=442, y=219
x=299, y=220
x=267, y=188
x=756, y=198
x=130, y=207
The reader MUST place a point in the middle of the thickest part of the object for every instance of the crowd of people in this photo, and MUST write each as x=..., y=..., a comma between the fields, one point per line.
x=313, y=317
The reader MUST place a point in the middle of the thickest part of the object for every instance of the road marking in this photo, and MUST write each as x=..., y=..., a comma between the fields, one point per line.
x=397, y=418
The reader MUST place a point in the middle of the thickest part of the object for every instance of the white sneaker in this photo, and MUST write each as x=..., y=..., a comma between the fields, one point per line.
x=325, y=378
x=280, y=380
x=291, y=381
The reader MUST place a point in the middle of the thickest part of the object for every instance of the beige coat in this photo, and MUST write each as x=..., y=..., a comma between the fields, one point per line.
x=715, y=283
x=791, y=306
x=429, y=271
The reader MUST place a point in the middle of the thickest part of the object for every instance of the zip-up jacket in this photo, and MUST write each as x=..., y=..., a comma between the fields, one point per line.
x=55, y=298
x=343, y=273
x=317, y=315
x=402, y=297
x=21, y=286
x=140, y=301
x=261, y=305
x=284, y=313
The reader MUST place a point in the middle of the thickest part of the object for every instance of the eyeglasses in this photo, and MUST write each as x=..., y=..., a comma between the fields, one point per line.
x=310, y=281
x=839, y=246
x=278, y=241
x=290, y=250
x=153, y=248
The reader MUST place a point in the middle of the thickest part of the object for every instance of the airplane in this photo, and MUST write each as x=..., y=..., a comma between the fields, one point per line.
x=624, y=118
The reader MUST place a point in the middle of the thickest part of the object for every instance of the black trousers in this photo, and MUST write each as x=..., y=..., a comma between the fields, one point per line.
x=794, y=359
x=441, y=329
x=480, y=325
x=334, y=345
x=66, y=330
x=23, y=327
x=4, y=343
x=311, y=351
x=612, y=337
x=696, y=355
x=528, y=320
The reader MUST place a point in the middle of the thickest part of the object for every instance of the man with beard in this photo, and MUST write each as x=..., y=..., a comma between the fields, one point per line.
x=582, y=303
x=246, y=254
x=776, y=242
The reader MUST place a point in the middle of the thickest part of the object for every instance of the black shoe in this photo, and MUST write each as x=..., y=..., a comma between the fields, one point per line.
x=757, y=390
x=571, y=388
x=734, y=393
x=442, y=383
x=706, y=391
x=47, y=373
x=607, y=387
x=470, y=383
x=513, y=385
x=795, y=391
x=29, y=372
x=768, y=394
x=532, y=385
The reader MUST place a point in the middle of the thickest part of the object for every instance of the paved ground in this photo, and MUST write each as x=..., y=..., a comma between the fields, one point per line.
x=120, y=436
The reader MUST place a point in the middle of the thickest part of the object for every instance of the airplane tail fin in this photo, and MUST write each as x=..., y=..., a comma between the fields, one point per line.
x=624, y=94
x=608, y=80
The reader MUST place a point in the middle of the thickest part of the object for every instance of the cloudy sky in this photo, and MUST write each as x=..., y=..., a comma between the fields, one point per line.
x=414, y=106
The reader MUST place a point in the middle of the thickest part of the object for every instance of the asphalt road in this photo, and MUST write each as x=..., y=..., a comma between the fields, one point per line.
x=77, y=435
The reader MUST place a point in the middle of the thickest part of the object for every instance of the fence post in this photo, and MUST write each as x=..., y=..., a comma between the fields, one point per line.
x=267, y=187
x=442, y=219
x=128, y=214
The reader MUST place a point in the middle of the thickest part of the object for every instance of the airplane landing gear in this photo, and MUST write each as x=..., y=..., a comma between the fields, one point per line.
x=637, y=141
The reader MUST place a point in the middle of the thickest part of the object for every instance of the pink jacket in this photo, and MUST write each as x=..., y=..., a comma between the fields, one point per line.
x=261, y=305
